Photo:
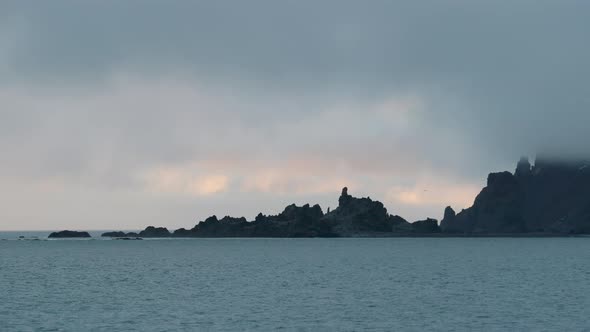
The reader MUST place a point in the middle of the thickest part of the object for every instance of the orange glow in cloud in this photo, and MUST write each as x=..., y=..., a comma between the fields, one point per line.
x=183, y=181
x=292, y=181
x=456, y=195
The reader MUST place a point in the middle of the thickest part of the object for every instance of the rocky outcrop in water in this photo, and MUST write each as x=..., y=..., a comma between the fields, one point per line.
x=294, y=221
x=553, y=196
x=359, y=216
x=68, y=234
x=152, y=231
x=224, y=227
x=119, y=234
x=353, y=217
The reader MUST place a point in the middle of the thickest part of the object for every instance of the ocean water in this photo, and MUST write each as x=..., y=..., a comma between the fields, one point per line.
x=395, y=284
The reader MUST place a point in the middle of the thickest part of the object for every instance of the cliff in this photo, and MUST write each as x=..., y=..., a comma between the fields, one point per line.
x=552, y=197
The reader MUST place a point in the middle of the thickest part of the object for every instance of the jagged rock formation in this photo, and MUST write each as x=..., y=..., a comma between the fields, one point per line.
x=352, y=217
x=212, y=227
x=426, y=226
x=553, y=196
x=152, y=231
x=357, y=216
x=68, y=234
x=400, y=225
x=448, y=218
x=294, y=221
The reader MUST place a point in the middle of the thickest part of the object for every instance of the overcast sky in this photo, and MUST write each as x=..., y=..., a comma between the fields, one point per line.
x=122, y=114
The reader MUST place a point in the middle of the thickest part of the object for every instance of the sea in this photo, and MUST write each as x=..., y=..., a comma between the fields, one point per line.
x=348, y=284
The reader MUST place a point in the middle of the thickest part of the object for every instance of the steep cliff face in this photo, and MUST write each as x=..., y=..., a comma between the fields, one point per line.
x=551, y=197
x=558, y=197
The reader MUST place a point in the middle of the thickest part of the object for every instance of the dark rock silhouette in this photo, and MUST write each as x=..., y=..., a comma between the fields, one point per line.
x=353, y=217
x=114, y=234
x=152, y=231
x=553, y=196
x=120, y=234
x=357, y=216
x=448, y=220
x=182, y=232
x=224, y=227
x=400, y=225
x=68, y=234
x=294, y=221
x=425, y=226
x=495, y=210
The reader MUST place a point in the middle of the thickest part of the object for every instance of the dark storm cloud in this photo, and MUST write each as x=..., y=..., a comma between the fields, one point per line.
x=513, y=65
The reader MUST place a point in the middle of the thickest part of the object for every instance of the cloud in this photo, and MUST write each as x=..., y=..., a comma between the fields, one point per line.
x=184, y=181
x=282, y=181
x=431, y=193
x=225, y=105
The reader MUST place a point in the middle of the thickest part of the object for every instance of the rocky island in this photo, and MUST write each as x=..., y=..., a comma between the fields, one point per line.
x=550, y=198
x=354, y=217
x=68, y=234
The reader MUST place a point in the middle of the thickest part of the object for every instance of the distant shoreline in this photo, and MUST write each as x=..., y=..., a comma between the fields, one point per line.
x=365, y=236
x=549, y=199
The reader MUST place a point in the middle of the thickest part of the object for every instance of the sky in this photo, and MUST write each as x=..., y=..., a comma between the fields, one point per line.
x=123, y=114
